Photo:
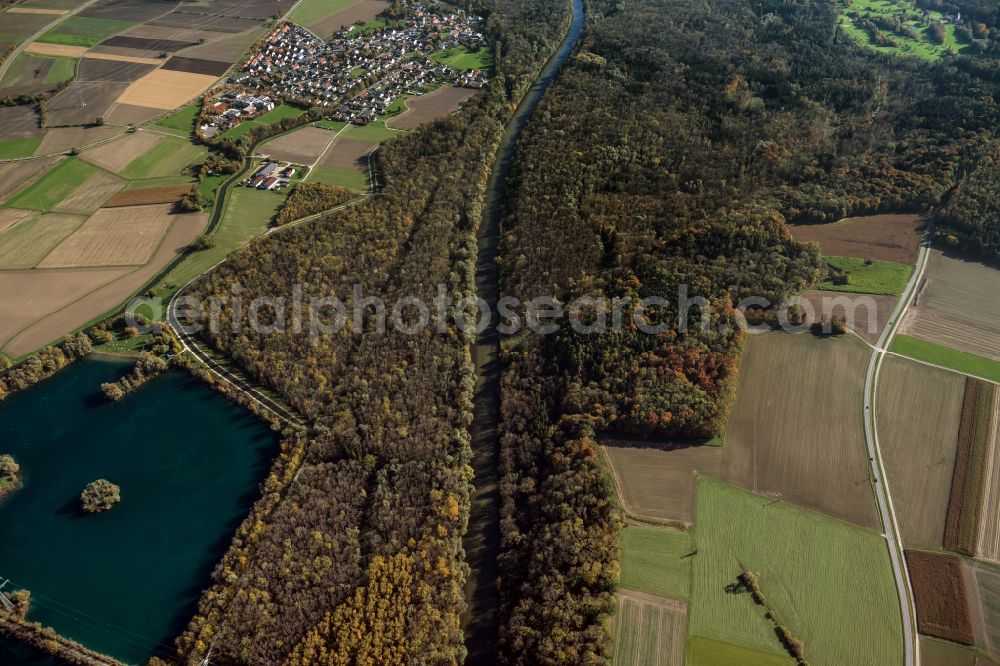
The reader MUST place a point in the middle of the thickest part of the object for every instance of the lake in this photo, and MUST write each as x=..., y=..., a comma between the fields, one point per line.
x=188, y=462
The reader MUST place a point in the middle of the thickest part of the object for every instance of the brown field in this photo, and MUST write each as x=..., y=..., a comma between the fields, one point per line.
x=20, y=122
x=955, y=306
x=866, y=314
x=940, y=653
x=64, y=50
x=165, y=89
x=197, y=65
x=167, y=194
x=155, y=45
x=116, y=155
x=36, y=10
x=968, y=485
x=64, y=315
x=11, y=216
x=302, y=146
x=83, y=102
x=365, y=10
x=15, y=176
x=228, y=48
x=61, y=139
x=988, y=542
x=919, y=409
x=129, y=114
x=659, y=482
x=147, y=31
x=91, y=194
x=16, y=28
x=887, y=237
x=39, y=294
x=940, y=596
x=796, y=429
x=26, y=243
x=113, y=237
x=258, y=9
x=985, y=596
x=348, y=153
x=120, y=71
x=423, y=109
x=122, y=55
x=126, y=10
x=204, y=22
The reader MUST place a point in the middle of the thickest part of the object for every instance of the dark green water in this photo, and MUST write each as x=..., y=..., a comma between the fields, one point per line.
x=188, y=462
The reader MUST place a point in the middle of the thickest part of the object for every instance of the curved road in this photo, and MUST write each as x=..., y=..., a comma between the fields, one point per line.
x=911, y=645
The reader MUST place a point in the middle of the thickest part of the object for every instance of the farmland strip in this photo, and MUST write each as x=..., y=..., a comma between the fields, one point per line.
x=941, y=597
x=969, y=480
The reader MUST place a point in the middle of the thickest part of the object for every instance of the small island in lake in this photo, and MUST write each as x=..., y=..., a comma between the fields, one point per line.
x=100, y=495
x=10, y=475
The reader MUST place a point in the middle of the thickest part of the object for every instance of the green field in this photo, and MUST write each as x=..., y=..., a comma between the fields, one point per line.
x=125, y=345
x=920, y=44
x=653, y=561
x=12, y=148
x=313, y=11
x=248, y=214
x=170, y=157
x=331, y=125
x=342, y=176
x=879, y=277
x=83, y=31
x=183, y=119
x=706, y=652
x=828, y=581
x=647, y=634
x=273, y=116
x=55, y=185
x=969, y=364
x=462, y=58
x=29, y=241
x=63, y=69
x=372, y=132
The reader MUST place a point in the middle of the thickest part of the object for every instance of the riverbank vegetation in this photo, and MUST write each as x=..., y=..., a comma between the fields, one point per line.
x=370, y=506
x=100, y=495
x=10, y=475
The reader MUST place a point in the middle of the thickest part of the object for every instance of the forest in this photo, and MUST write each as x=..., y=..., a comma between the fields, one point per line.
x=367, y=509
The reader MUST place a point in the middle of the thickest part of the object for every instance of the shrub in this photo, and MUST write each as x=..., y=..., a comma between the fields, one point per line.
x=100, y=495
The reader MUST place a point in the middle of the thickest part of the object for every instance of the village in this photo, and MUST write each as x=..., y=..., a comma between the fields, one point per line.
x=358, y=74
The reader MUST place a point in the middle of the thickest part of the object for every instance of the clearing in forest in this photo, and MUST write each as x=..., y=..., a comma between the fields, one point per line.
x=829, y=582
x=886, y=237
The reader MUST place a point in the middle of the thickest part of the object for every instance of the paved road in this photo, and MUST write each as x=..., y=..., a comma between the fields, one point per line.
x=911, y=645
x=24, y=43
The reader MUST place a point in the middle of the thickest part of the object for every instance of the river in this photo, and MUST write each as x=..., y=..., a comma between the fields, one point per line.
x=482, y=543
x=188, y=462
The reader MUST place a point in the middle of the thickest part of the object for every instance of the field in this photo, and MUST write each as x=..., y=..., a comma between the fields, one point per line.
x=130, y=114
x=16, y=175
x=310, y=12
x=829, y=582
x=360, y=10
x=226, y=48
x=303, y=146
x=975, y=440
x=83, y=102
x=55, y=185
x=648, y=633
x=166, y=89
x=148, y=195
x=354, y=179
x=197, y=66
x=988, y=541
x=940, y=596
x=61, y=139
x=940, y=653
x=248, y=215
x=27, y=243
x=183, y=119
x=659, y=483
x=53, y=302
x=707, y=652
x=869, y=276
x=917, y=42
x=865, y=314
x=59, y=50
x=796, y=429
x=15, y=28
x=95, y=191
x=19, y=122
x=278, y=113
x=119, y=71
x=84, y=31
x=438, y=104
x=11, y=148
x=11, y=216
x=169, y=157
x=987, y=601
x=113, y=237
x=929, y=352
x=656, y=561
x=372, y=133
x=152, y=44
x=919, y=409
x=462, y=58
x=116, y=155
x=955, y=307
x=886, y=237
